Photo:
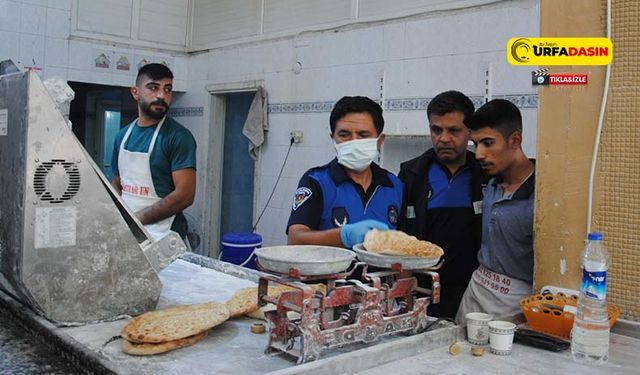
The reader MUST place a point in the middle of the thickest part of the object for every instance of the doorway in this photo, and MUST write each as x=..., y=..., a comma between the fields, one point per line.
x=108, y=125
x=238, y=168
x=97, y=114
x=231, y=185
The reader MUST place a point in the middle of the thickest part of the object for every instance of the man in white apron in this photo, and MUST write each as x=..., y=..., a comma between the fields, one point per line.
x=505, y=274
x=154, y=158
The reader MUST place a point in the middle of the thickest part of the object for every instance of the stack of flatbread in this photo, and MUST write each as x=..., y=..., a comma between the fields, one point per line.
x=245, y=301
x=394, y=242
x=168, y=329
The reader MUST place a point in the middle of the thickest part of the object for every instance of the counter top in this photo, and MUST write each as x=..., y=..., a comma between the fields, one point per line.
x=524, y=360
x=232, y=349
x=228, y=349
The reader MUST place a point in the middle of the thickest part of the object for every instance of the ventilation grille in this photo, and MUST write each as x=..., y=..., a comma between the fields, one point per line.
x=42, y=178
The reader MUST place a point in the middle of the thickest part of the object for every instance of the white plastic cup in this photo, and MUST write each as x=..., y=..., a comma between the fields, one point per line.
x=501, y=337
x=477, y=328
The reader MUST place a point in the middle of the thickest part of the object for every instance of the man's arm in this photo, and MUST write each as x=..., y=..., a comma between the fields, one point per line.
x=180, y=198
x=346, y=236
x=116, y=184
x=304, y=218
x=300, y=234
x=115, y=168
x=305, y=215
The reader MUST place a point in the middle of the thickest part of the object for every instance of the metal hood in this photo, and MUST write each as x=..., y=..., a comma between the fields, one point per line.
x=69, y=248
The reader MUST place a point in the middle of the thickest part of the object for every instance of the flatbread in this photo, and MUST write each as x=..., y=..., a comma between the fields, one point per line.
x=163, y=347
x=245, y=301
x=174, y=323
x=260, y=313
x=395, y=242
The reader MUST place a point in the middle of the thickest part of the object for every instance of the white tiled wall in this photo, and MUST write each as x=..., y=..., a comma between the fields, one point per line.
x=223, y=19
x=418, y=58
x=292, y=14
x=113, y=17
x=35, y=35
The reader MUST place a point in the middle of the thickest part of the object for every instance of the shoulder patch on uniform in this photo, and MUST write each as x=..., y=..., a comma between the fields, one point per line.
x=301, y=196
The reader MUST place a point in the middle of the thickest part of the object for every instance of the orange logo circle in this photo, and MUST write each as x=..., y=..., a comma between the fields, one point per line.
x=520, y=50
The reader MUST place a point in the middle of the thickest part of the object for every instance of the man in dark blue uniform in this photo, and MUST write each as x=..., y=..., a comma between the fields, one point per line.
x=443, y=197
x=337, y=203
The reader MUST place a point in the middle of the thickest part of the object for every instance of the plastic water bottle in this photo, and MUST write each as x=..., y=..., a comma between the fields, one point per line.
x=590, y=334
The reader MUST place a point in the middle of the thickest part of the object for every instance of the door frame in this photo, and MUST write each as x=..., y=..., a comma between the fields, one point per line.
x=213, y=182
x=101, y=107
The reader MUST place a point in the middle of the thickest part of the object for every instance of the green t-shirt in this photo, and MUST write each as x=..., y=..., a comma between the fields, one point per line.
x=175, y=149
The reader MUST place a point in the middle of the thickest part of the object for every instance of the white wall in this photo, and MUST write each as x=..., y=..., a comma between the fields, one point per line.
x=40, y=35
x=416, y=58
x=217, y=23
x=154, y=23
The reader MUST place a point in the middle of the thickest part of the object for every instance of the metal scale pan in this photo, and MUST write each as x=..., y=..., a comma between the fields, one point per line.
x=309, y=260
x=386, y=261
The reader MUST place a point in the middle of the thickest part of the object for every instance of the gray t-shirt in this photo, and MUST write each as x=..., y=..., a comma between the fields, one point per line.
x=507, y=230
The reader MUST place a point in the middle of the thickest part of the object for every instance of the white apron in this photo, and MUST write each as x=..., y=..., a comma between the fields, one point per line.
x=492, y=293
x=137, y=184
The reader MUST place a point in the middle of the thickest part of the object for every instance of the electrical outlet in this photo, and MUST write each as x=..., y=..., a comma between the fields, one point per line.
x=297, y=136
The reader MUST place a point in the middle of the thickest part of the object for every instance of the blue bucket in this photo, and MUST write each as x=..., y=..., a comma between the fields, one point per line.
x=237, y=248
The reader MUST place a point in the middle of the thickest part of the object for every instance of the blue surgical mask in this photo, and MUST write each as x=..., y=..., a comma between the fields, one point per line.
x=358, y=154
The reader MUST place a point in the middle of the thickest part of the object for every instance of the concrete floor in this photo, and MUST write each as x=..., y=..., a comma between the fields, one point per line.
x=23, y=354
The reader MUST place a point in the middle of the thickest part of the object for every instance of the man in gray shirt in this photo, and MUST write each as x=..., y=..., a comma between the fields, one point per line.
x=505, y=274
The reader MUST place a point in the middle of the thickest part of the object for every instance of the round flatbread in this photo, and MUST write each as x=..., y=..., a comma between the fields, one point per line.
x=163, y=347
x=174, y=323
x=395, y=242
x=245, y=301
x=260, y=313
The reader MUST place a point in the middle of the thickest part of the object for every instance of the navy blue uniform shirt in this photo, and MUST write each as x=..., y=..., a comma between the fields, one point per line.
x=327, y=198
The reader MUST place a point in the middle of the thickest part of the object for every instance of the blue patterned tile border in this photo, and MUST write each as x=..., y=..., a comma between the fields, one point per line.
x=406, y=104
x=420, y=104
x=522, y=101
x=186, y=112
x=305, y=107
x=399, y=104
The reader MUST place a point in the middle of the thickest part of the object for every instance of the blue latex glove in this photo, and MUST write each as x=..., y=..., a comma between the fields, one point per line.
x=352, y=234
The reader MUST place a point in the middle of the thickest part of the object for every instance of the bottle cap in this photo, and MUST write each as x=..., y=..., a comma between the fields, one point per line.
x=454, y=349
x=257, y=328
x=595, y=236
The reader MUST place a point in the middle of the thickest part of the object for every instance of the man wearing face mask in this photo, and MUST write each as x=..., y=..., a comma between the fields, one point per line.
x=154, y=158
x=338, y=203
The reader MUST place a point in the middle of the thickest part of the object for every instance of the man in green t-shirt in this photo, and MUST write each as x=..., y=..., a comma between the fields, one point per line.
x=154, y=157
